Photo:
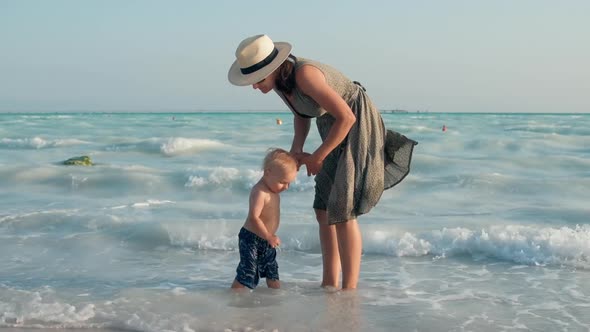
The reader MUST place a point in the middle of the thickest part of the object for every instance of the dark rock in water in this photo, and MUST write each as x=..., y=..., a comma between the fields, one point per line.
x=79, y=161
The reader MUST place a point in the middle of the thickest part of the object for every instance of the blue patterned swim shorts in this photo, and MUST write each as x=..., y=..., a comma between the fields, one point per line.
x=257, y=260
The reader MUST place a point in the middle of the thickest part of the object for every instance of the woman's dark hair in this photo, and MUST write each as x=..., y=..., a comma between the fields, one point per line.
x=285, y=80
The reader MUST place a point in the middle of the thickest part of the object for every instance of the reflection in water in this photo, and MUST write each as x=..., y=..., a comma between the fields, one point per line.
x=342, y=312
x=296, y=309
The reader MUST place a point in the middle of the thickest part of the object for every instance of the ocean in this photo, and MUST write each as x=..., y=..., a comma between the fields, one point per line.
x=490, y=231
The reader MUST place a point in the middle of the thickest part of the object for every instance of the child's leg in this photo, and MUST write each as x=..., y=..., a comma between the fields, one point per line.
x=269, y=268
x=271, y=283
x=237, y=285
x=247, y=271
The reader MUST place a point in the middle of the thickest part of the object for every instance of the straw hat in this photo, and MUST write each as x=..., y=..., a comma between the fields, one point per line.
x=256, y=58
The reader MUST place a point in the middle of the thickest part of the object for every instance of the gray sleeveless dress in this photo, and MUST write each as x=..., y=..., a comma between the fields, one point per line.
x=369, y=160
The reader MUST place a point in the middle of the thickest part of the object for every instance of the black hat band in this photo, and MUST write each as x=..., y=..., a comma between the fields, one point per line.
x=261, y=64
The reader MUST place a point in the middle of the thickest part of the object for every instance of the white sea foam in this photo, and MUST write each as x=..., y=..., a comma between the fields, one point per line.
x=179, y=145
x=519, y=244
x=38, y=143
x=206, y=236
x=516, y=243
x=531, y=245
x=37, y=216
x=244, y=179
x=223, y=177
x=41, y=309
x=172, y=146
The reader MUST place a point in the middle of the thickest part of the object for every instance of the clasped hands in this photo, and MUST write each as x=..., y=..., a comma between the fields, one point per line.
x=312, y=163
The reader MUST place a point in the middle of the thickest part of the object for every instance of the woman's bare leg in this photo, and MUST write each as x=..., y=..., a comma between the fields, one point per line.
x=330, y=255
x=350, y=246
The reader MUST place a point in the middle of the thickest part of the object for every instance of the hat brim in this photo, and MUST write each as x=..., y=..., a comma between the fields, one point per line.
x=236, y=77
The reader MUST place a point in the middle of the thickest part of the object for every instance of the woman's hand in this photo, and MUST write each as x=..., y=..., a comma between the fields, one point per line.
x=299, y=157
x=313, y=163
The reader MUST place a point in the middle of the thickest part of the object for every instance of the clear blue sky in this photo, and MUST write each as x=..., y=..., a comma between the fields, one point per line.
x=440, y=56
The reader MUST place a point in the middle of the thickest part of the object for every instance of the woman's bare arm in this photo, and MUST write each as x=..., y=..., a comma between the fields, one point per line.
x=313, y=83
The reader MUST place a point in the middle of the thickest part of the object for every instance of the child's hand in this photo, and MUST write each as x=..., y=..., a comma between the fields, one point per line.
x=274, y=241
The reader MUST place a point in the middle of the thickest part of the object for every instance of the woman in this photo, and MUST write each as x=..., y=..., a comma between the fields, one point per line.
x=357, y=159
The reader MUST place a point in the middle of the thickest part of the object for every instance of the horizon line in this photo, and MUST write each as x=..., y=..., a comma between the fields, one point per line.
x=257, y=111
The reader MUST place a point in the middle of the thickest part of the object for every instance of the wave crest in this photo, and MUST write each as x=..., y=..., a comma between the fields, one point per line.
x=520, y=244
x=172, y=146
x=37, y=143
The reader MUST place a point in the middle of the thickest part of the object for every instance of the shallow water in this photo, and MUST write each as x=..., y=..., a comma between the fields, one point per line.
x=489, y=232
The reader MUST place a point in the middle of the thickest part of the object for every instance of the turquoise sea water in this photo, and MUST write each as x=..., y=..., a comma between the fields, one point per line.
x=490, y=231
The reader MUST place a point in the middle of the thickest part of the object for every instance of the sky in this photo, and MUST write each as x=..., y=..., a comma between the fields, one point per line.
x=173, y=55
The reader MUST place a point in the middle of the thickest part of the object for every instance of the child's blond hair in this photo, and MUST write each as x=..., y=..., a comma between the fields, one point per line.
x=279, y=157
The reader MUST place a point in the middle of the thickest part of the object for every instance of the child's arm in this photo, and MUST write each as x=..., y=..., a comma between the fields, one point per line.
x=257, y=202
